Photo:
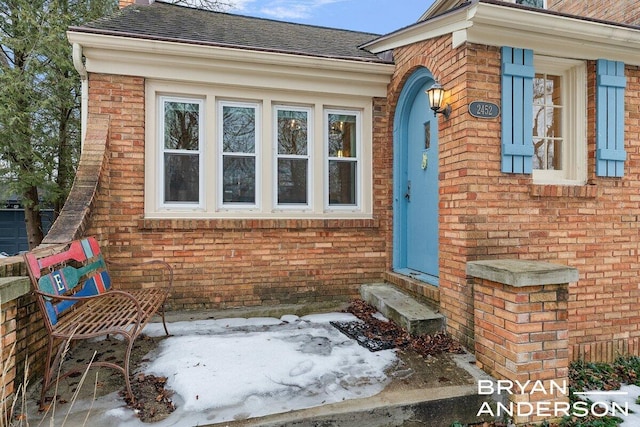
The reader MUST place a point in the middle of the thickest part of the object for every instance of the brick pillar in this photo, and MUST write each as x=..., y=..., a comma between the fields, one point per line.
x=11, y=288
x=8, y=328
x=521, y=332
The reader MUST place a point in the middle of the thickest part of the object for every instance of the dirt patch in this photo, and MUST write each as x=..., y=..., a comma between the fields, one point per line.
x=153, y=402
x=424, y=361
x=415, y=372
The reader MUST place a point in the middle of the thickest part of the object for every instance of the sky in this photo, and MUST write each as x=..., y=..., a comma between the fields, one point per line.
x=372, y=16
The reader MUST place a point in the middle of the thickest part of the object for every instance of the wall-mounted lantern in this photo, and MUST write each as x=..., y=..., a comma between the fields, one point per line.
x=436, y=100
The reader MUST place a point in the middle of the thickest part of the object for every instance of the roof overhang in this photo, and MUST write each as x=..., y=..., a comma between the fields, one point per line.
x=440, y=6
x=196, y=63
x=501, y=25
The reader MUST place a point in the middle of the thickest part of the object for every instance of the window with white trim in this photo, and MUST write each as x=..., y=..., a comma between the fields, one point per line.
x=559, y=121
x=292, y=126
x=219, y=152
x=181, y=139
x=239, y=144
x=343, y=156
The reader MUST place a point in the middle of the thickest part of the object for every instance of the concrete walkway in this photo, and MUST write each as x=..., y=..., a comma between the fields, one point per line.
x=400, y=404
x=432, y=391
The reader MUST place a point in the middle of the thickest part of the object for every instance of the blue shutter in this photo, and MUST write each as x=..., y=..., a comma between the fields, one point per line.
x=517, y=110
x=610, y=153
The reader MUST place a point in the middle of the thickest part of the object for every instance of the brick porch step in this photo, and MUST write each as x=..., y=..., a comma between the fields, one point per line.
x=414, y=316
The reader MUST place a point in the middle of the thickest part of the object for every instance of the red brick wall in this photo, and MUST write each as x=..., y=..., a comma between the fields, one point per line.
x=485, y=214
x=623, y=11
x=457, y=158
x=230, y=263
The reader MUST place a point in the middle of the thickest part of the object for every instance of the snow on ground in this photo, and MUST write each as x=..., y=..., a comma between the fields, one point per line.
x=619, y=403
x=227, y=369
x=625, y=399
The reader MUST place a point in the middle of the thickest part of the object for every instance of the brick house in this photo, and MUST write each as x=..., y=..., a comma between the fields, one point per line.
x=275, y=163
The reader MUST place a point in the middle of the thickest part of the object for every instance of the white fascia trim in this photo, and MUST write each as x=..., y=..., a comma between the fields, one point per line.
x=545, y=33
x=552, y=35
x=436, y=27
x=206, y=64
x=438, y=7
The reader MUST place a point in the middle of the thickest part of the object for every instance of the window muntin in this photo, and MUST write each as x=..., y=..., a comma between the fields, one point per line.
x=547, y=122
x=559, y=121
x=292, y=133
x=239, y=141
x=532, y=3
x=343, y=141
x=181, y=140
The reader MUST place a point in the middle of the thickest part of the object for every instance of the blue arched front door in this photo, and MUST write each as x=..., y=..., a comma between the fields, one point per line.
x=416, y=182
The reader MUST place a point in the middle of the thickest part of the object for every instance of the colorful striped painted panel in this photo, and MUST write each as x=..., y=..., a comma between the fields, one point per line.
x=94, y=285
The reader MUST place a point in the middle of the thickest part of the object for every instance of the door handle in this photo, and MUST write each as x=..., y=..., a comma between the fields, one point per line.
x=408, y=193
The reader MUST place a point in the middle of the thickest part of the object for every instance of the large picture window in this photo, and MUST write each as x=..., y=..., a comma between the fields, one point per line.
x=343, y=151
x=239, y=142
x=293, y=148
x=218, y=152
x=181, y=141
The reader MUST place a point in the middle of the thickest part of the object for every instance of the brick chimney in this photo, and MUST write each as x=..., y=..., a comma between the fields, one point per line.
x=125, y=3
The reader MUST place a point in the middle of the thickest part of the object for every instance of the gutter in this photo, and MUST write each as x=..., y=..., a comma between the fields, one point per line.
x=147, y=37
x=84, y=86
x=103, y=45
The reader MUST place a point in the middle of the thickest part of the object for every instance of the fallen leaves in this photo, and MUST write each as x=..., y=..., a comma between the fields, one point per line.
x=389, y=331
x=152, y=400
x=434, y=344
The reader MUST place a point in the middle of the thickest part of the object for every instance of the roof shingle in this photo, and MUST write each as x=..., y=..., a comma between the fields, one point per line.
x=163, y=21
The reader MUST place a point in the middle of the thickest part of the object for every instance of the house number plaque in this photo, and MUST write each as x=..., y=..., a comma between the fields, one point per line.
x=484, y=109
